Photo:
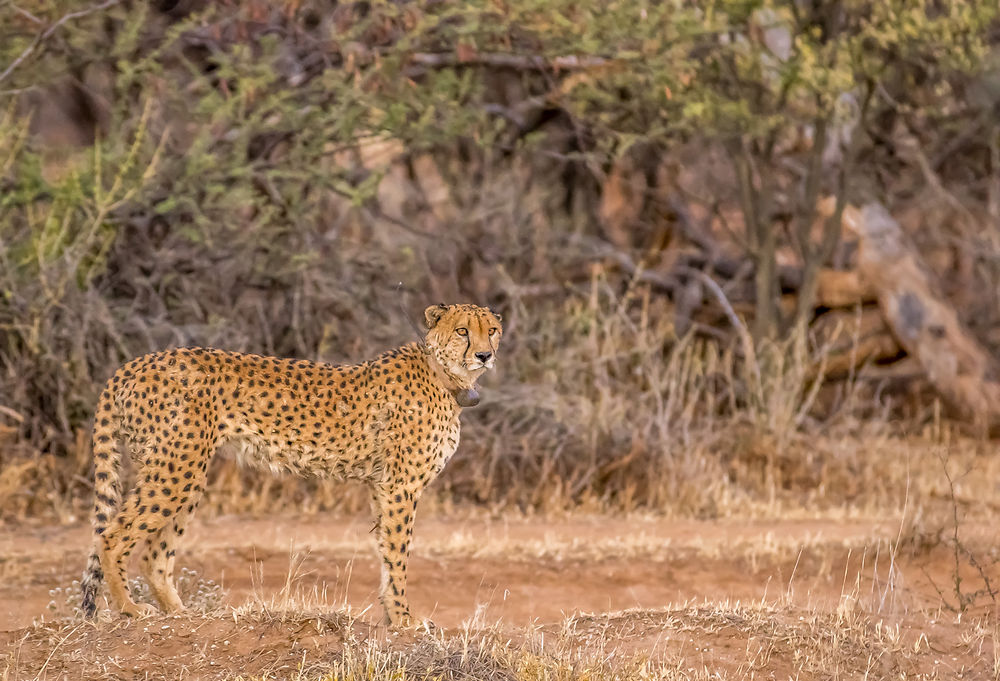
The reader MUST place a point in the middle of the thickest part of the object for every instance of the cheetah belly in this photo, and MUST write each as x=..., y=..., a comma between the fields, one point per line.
x=257, y=451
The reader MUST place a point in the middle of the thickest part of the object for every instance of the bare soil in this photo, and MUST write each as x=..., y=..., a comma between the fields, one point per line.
x=738, y=599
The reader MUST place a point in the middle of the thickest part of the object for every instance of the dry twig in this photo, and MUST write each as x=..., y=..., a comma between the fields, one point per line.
x=47, y=33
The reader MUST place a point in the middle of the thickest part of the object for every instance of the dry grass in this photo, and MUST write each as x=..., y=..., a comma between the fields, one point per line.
x=625, y=418
x=729, y=471
x=707, y=640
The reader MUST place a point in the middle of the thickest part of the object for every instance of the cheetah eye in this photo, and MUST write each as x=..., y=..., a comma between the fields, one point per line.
x=462, y=331
x=494, y=331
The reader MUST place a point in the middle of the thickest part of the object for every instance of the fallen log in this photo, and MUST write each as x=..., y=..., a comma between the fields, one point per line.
x=851, y=339
x=921, y=319
x=843, y=288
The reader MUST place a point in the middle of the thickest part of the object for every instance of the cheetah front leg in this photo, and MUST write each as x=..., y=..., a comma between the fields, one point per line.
x=395, y=511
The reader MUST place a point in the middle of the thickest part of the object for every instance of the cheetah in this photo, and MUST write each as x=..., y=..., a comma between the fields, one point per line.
x=392, y=421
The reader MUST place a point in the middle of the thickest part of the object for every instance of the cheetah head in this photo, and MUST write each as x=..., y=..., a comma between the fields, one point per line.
x=464, y=339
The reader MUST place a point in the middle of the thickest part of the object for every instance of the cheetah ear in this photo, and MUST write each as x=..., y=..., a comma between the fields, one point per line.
x=433, y=314
x=496, y=314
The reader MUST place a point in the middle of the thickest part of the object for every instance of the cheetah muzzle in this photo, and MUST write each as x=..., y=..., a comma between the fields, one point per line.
x=392, y=421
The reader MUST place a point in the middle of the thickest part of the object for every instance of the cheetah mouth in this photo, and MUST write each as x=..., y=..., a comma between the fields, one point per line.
x=477, y=365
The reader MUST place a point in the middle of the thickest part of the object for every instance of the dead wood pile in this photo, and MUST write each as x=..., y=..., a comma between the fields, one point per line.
x=886, y=308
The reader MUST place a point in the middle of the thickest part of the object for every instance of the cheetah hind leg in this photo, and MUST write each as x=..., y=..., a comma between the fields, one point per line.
x=159, y=555
x=158, y=565
x=116, y=545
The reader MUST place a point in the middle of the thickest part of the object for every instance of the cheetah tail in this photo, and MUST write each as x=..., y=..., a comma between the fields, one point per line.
x=106, y=492
x=93, y=575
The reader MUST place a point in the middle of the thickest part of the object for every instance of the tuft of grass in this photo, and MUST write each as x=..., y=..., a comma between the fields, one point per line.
x=200, y=595
x=708, y=640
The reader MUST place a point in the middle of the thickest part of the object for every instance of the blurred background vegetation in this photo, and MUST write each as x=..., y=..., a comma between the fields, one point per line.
x=634, y=185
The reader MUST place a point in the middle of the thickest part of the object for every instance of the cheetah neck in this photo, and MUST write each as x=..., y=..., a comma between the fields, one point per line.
x=463, y=391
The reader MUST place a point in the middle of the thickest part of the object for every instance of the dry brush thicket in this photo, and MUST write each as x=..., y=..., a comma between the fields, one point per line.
x=642, y=196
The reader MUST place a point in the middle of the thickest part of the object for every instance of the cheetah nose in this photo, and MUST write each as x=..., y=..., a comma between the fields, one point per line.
x=483, y=356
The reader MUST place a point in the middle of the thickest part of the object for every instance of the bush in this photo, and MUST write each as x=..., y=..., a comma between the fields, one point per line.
x=263, y=178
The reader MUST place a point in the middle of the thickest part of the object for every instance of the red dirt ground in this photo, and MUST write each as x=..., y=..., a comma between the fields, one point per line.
x=517, y=571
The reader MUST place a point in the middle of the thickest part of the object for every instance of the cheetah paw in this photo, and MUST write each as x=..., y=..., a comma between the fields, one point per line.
x=425, y=626
x=411, y=624
x=140, y=610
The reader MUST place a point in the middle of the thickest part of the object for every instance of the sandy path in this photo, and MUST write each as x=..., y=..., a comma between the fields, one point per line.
x=521, y=570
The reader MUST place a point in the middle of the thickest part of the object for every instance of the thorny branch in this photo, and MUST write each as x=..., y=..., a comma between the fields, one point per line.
x=47, y=33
